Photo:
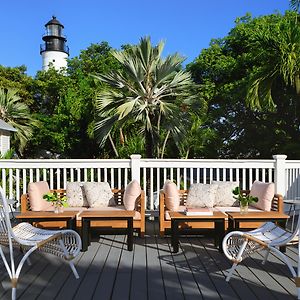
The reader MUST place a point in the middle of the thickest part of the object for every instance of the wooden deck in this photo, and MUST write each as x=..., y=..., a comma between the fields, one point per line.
x=108, y=271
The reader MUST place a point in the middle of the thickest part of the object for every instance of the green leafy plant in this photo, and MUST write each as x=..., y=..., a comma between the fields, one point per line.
x=242, y=197
x=56, y=199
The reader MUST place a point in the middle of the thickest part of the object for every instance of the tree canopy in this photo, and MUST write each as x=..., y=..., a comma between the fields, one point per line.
x=238, y=99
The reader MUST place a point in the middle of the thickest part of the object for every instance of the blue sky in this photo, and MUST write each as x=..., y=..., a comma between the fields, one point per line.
x=187, y=26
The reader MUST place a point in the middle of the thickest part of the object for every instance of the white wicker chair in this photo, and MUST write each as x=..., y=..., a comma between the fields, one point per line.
x=237, y=245
x=62, y=243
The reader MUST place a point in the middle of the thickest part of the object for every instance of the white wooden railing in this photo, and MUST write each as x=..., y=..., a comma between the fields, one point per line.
x=151, y=173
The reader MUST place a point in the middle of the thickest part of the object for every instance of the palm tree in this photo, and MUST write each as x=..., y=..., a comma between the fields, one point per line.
x=145, y=92
x=295, y=5
x=17, y=114
x=281, y=60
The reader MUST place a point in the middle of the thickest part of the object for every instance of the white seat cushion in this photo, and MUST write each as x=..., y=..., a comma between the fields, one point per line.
x=137, y=215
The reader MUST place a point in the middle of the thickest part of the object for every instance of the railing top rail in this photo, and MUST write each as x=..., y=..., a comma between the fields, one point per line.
x=289, y=162
x=208, y=163
x=65, y=163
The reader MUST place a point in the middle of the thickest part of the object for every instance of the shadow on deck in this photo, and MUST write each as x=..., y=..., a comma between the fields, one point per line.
x=151, y=271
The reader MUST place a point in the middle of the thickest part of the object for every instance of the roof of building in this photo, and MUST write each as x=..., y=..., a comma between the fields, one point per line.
x=6, y=126
x=54, y=21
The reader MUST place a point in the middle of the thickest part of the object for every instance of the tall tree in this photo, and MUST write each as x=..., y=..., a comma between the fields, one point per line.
x=281, y=57
x=16, y=113
x=144, y=91
x=223, y=72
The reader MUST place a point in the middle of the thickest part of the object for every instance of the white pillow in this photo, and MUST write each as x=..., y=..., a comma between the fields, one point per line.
x=224, y=195
x=75, y=194
x=201, y=195
x=98, y=194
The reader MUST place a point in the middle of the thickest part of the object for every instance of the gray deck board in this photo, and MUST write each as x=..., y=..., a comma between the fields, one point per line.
x=154, y=276
x=152, y=271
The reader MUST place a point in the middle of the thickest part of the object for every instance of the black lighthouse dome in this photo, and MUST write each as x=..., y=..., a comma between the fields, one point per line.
x=54, y=38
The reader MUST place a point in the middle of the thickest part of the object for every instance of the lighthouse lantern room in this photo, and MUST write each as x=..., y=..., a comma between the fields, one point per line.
x=54, y=51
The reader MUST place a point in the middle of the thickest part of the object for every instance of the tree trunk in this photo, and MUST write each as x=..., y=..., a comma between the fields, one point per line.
x=149, y=144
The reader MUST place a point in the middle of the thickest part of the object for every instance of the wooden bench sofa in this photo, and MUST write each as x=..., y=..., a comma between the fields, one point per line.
x=165, y=221
x=138, y=221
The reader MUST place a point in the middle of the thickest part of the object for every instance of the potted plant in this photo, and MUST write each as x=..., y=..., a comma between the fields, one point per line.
x=243, y=198
x=58, y=201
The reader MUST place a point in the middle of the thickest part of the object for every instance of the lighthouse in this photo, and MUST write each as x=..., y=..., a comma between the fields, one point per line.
x=54, y=51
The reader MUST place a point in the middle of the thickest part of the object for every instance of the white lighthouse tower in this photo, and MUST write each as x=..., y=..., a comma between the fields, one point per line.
x=54, y=51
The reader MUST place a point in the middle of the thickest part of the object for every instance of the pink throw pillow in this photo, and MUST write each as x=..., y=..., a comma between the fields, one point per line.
x=132, y=191
x=172, y=199
x=264, y=192
x=36, y=191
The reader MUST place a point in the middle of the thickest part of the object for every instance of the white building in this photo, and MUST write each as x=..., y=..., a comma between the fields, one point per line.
x=5, y=132
x=54, y=51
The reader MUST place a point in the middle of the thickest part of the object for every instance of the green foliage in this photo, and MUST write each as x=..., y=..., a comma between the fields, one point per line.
x=56, y=199
x=65, y=106
x=225, y=72
x=244, y=199
x=9, y=154
x=145, y=92
x=16, y=113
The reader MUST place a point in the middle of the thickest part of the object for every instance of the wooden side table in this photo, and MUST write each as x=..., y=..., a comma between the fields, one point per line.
x=88, y=216
x=38, y=216
x=235, y=218
x=178, y=217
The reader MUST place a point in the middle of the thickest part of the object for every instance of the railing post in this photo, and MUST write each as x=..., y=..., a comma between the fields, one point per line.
x=135, y=167
x=279, y=175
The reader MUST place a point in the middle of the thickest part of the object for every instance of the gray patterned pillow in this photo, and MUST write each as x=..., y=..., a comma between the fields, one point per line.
x=75, y=194
x=224, y=196
x=201, y=195
x=98, y=194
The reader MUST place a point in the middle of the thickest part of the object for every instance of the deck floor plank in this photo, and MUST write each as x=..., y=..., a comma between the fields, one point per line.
x=172, y=285
x=215, y=264
x=154, y=277
x=139, y=284
x=152, y=271
x=90, y=280
x=196, y=257
x=122, y=283
x=104, y=288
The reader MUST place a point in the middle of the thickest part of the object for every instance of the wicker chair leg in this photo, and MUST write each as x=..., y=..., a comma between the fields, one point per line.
x=266, y=256
x=71, y=264
x=13, y=293
x=230, y=272
x=73, y=269
x=23, y=251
